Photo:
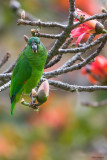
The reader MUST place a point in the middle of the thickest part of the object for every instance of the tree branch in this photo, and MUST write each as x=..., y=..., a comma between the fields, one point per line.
x=52, y=36
x=65, y=86
x=96, y=16
x=78, y=55
x=5, y=86
x=82, y=49
x=75, y=88
x=53, y=62
x=64, y=34
x=6, y=75
x=40, y=23
x=76, y=66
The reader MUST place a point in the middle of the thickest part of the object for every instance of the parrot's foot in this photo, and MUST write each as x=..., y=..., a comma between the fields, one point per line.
x=32, y=100
x=34, y=106
x=33, y=96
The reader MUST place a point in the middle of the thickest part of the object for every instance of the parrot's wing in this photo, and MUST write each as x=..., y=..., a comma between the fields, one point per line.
x=21, y=74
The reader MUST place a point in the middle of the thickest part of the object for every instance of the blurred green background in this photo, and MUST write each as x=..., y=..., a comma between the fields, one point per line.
x=63, y=129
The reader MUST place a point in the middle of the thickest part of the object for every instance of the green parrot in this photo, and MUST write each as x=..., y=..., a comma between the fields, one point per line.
x=28, y=70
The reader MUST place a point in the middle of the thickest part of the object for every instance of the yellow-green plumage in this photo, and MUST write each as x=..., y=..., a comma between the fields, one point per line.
x=28, y=70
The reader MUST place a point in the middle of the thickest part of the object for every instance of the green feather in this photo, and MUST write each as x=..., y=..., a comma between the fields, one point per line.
x=27, y=71
x=12, y=108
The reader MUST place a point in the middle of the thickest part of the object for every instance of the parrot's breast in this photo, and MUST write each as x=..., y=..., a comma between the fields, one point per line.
x=32, y=81
x=37, y=63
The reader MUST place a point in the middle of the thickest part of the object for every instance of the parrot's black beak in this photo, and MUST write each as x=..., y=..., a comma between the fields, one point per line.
x=34, y=47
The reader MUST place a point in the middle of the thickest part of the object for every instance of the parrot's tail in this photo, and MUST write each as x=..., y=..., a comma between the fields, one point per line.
x=12, y=107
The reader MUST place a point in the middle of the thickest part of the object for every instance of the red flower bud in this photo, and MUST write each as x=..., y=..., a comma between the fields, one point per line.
x=43, y=92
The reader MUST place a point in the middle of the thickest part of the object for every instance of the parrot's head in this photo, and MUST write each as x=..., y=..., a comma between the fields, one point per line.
x=34, y=43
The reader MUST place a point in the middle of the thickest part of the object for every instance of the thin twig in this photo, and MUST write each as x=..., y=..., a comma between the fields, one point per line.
x=95, y=104
x=52, y=36
x=6, y=75
x=5, y=59
x=82, y=49
x=12, y=66
x=53, y=62
x=91, y=38
x=16, y=7
x=78, y=55
x=5, y=86
x=67, y=42
x=40, y=23
x=28, y=16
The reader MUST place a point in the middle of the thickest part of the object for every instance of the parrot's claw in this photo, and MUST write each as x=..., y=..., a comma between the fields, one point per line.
x=32, y=100
x=34, y=106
